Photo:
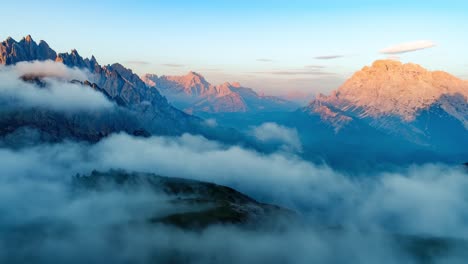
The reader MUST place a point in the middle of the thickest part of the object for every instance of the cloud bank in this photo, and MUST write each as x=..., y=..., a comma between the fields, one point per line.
x=425, y=200
x=429, y=200
x=59, y=93
x=408, y=47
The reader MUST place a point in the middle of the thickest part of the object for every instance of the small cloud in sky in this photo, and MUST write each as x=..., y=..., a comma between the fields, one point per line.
x=264, y=60
x=329, y=57
x=138, y=62
x=314, y=66
x=297, y=72
x=210, y=70
x=174, y=65
x=408, y=47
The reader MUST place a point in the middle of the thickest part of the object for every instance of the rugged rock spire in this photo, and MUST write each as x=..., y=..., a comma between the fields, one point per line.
x=27, y=49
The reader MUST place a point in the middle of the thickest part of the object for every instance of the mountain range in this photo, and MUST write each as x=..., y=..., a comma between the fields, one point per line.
x=386, y=111
x=194, y=94
x=142, y=110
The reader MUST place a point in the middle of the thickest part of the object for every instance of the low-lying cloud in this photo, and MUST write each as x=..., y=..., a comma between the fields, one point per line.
x=408, y=47
x=48, y=69
x=59, y=93
x=422, y=200
x=269, y=132
x=211, y=122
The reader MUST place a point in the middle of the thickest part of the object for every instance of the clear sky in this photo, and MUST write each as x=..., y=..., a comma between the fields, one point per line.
x=275, y=46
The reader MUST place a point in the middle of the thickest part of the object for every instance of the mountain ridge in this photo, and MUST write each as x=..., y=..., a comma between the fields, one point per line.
x=151, y=111
x=193, y=93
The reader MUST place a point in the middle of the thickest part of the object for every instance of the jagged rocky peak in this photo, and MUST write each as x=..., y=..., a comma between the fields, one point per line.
x=93, y=59
x=124, y=72
x=72, y=59
x=28, y=38
x=236, y=85
x=192, y=78
x=192, y=84
x=27, y=49
x=116, y=80
x=195, y=75
x=390, y=87
x=150, y=79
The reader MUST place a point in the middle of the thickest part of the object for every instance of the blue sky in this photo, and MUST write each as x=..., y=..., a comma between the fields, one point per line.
x=269, y=45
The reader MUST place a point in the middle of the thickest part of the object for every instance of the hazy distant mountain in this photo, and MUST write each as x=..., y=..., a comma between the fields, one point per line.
x=194, y=94
x=404, y=100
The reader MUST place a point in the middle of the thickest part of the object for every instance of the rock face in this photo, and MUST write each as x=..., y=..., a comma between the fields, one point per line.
x=194, y=94
x=392, y=88
x=119, y=84
x=401, y=99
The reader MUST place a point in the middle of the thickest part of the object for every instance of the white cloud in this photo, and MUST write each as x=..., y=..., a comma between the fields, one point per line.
x=329, y=57
x=59, y=94
x=274, y=133
x=264, y=60
x=408, y=47
x=211, y=122
x=428, y=200
x=49, y=69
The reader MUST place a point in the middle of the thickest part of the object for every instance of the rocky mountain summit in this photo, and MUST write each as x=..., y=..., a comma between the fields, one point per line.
x=391, y=88
x=194, y=94
x=401, y=99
